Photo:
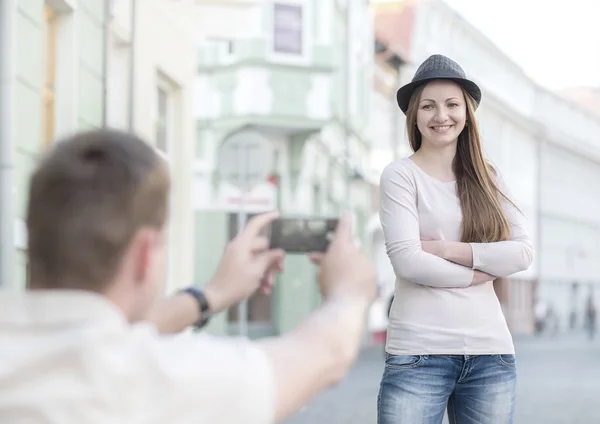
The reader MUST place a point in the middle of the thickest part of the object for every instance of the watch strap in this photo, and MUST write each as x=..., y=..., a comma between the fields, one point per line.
x=203, y=305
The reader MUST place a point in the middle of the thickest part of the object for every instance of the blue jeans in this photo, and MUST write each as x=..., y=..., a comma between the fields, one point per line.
x=416, y=389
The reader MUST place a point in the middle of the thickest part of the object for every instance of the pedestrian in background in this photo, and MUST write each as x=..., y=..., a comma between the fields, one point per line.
x=590, y=315
x=80, y=346
x=450, y=230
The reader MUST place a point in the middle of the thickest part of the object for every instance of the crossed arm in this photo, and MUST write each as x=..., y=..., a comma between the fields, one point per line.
x=444, y=263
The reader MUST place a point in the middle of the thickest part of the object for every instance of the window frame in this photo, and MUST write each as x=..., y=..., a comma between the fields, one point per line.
x=166, y=152
x=305, y=56
x=49, y=55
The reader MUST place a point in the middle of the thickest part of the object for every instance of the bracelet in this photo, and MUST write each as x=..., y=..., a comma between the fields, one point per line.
x=203, y=306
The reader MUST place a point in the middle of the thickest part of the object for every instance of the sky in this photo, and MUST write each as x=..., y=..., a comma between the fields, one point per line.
x=557, y=43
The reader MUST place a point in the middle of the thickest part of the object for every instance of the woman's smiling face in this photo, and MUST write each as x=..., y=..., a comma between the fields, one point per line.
x=442, y=113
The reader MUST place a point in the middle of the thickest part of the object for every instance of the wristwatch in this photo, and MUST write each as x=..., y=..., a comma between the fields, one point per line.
x=203, y=306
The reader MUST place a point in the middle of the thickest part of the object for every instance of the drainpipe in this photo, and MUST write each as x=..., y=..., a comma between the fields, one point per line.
x=346, y=89
x=7, y=78
x=395, y=115
x=132, y=46
x=105, y=56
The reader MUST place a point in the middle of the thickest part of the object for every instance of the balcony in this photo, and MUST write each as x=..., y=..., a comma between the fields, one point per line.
x=244, y=82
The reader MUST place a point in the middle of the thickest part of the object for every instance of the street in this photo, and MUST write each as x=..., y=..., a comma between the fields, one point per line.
x=559, y=383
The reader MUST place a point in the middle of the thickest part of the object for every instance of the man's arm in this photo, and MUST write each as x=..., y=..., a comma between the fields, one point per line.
x=180, y=311
x=203, y=378
x=174, y=314
x=317, y=354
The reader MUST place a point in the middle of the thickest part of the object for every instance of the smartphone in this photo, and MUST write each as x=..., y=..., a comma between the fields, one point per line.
x=302, y=235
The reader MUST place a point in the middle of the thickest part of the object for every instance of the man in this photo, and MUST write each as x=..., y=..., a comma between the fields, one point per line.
x=78, y=348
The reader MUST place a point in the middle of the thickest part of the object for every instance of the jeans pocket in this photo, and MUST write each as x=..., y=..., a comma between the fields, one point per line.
x=403, y=361
x=508, y=360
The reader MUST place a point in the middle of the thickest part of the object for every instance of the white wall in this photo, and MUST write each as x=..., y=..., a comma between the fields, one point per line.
x=381, y=125
x=229, y=19
x=570, y=202
x=439, y=29
x=571, y=213
x=165, y=53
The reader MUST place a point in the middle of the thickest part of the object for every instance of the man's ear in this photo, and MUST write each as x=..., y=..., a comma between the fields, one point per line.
x=141, y=251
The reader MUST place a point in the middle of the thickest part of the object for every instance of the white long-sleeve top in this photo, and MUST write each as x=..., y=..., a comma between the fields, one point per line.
x=435, y=309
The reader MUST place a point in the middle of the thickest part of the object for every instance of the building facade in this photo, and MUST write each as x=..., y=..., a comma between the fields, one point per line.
x=281, y=68
x=151, y=87
x=569, y=154
x=57, y=85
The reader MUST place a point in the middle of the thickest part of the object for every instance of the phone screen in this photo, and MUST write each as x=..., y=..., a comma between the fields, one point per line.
x=302, y=235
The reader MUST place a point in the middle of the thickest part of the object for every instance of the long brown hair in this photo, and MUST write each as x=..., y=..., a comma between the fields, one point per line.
x=479, y=195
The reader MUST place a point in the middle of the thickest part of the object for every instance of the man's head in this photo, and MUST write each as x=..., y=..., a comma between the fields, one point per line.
x=98, y=204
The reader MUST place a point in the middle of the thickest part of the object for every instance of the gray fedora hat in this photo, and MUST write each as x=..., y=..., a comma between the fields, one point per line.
x=435, y=67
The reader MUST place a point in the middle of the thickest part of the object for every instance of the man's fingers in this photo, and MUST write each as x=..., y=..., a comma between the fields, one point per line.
x=280, y=265
x=270, y=259
x=343, y=231
x=266, y=290
x=268, y=282
x=316, y=258
x=257, y=224
x=259, y=244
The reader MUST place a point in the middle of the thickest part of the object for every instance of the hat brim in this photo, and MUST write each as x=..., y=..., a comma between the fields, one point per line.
x=406, y=91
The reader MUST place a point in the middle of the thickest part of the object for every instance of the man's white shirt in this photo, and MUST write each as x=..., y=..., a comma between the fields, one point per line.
x=71, y=357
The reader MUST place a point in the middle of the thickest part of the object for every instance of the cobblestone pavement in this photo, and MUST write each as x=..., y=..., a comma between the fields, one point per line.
x=559, y=383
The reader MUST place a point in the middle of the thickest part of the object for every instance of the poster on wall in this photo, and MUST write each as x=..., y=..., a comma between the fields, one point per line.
x=287, y=29
x=228, y=198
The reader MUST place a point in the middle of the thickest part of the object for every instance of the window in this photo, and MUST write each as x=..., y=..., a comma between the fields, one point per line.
x=287, y=29
x=225, y=46
x=162, y=119
x=291, y=31
x=48, y=76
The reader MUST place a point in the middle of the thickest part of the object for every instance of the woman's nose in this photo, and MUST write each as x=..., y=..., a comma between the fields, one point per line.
x=441, y=115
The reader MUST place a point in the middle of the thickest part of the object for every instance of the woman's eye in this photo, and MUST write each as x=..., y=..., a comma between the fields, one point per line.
x=427, y=107
x=453, y=105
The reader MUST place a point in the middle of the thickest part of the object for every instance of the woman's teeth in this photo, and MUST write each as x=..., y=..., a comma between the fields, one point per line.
x=441, y=128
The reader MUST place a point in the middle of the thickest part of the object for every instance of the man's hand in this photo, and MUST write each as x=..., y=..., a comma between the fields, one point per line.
x=344, y=269
x=435, y=247
x=247, y=265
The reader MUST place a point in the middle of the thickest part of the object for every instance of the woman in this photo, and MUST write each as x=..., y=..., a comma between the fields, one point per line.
x=450, y=230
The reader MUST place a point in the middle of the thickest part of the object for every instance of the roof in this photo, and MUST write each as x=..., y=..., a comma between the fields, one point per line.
x=394, y=22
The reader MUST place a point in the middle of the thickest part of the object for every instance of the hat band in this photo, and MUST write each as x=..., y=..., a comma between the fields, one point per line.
x=437, y=73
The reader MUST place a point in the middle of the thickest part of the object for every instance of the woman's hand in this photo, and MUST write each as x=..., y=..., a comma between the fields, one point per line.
x=453, y=251
x=435, y=247
x=458, y=253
